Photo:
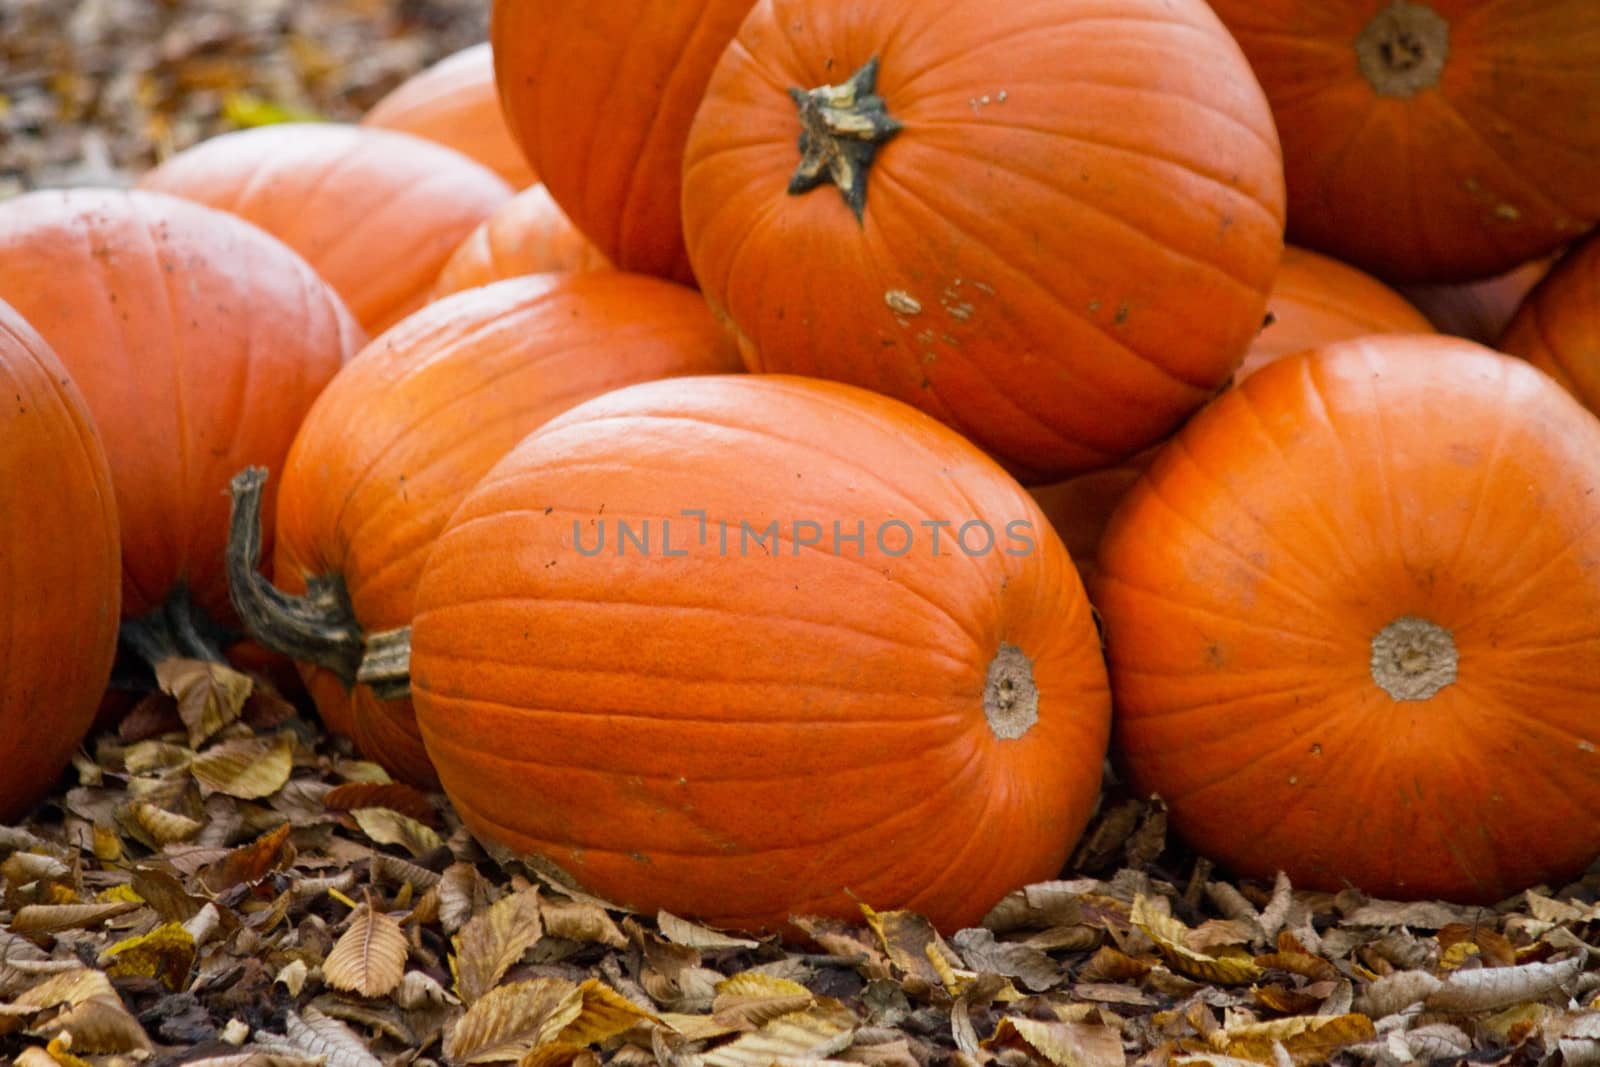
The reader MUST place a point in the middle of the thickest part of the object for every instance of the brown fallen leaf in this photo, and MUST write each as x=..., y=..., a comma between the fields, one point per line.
x=493, y=941
x=604, y=1014
x=1066, y=1044
x=320, y=1035
x=387, y=827
x=408, y=800
x=247, y=768
x=209, y=695
x=512, y=1020
x=370, y=956
x=100, y=1024
x=581, y=921
x=752, y=999
x=1491, y=988
x=1306, y=1038
x=54, y=918
x=817, y=1033
x=248, y=864
x=683, y=932
x=1171, y=936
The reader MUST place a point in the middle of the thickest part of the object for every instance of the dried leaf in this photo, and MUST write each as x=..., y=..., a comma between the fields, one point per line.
x=1113, y=965
x=1067, y=1044
x=370, y=956
x=54, y=918
x=580, y=921
x=906, y=938
x=752, y=999
x=1171, y=936
x=1306, y=1038
x=604, y=1014
x=165, y=953
x=247, y=768
x=67, y=987
x=388, y=827
x=683, y=932
x=816, y=1033
x=1394, y=993
x=1420, y=915
x=248, y=864
x=462, y=893
x=399, y=797
x=160, y=826
x=512, y=1020
x=99, y=1024
x=493, y=941
x=981, y=952
x=322, y=1036
x=209, y=695
x=1501, y=987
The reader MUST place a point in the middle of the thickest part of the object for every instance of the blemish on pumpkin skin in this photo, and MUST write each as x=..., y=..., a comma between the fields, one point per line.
x=1586, y=746
x=903, y=302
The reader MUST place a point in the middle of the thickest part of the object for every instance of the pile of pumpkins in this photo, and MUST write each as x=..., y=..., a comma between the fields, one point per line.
x=633, y=414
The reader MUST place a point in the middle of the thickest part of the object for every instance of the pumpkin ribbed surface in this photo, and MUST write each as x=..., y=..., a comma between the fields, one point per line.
x=1557, y=325
x=59, y=567
x=739, y=732
x=1352, y=617
x=528, y=235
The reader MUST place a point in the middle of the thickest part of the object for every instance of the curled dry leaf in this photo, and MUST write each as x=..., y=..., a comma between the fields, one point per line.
x=493, y=941
x=816, y=1033
x=1306, y=1038
x=248, y=768
x=321, y=1035
x=1490, y=988
x=1228, y=967
x=912, y=944
x=159, y=826
x=1396, y=992
x=248, y=864
x=750, y=1000
x=577, y=920
x=165, y=953
x=408, y=800
x=693, y=935
x=1067, y=1044
x=20, y=868
x=54, y=918
x=1029, y=965
x=370, y=956
x=209, y=695
x=99, y=1024
x=512, y=1020
x=604, y=1014
x=462, y=893
x=387, y=827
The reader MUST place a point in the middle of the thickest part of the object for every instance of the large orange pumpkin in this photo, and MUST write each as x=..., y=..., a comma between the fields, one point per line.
x=528, y=235
x=455, y=103
x=375, y=211
x=1052, y=225
x=410, y=425
x=797, y=696
x=1431, y=140
x=1557, y=325
x=198, y=341
x=59, y=600
x=600, y=97
x=1352, y=616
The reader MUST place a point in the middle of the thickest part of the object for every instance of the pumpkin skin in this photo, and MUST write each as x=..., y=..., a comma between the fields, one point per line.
x=1440, y=164
x=198, y=341
x=1065, y=249
x=528, y=235
x=738, y=736
x=1557, y=326
x=403, y=432
x=455, y=103
x=1478, y=311
x=58, y=523
x=376, y=212
x=1245, y=582
x=600, y=98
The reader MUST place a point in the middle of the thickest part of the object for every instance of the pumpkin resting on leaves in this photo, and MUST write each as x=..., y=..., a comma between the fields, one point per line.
x=1352, y=617
x=1052, y=225
x=59, y=600
x=198, y=341
x=742, y=732
x=401, y=434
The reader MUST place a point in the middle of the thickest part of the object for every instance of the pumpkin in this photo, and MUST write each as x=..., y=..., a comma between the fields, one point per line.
x=1557, y=325
x=1478, y=311
x=376, y=212
x=1314, y=301
x=613, y=677
x=1352, y=618
x=403, y=432
x=600, y=98
x=1053, y=225
x=528, y=235
x=455, y=103
x=198, y=342
x=1440, y=140
x=59, y=601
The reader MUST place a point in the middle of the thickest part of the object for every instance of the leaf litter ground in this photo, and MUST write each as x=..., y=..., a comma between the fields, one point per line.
x=218, y=882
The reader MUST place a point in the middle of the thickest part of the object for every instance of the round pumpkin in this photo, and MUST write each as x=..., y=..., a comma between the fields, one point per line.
x=455, y=103
x=528, y=235
x=403, y=432
x=1352, y=618
x=1478, y=311
x=1431, y=140
x=376, y=212
x=198, y=341
x=600, y=97
x=750, y=647
x=1052, y=229
x=1557, y=325
x=59, y=601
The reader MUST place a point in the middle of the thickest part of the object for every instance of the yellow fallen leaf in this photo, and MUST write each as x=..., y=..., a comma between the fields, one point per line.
x=752, y=999
x=1306, y=1038
x=1228, y=967
x=512, y=1020
x=813, y=1034
x=247, y=768
x=165, y=953
x=247, y=110
x=388, y=827
x=604, y=1014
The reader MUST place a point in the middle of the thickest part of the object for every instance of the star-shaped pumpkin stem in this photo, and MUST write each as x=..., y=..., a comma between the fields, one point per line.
x=842, y=127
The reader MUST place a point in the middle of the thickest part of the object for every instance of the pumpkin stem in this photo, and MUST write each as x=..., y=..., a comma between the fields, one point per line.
x=1412, y=658
x=1403, y=49
x=175, y=629
x=1010, y=697
x=841, y=128
x=320, y=627
x=386, y=667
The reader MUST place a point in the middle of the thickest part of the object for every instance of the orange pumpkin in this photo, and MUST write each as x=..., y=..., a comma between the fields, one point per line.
x=1314, y=301
x=742, y=732
x=1478, y=311
x=59, y=601
x=376, y=212
x=1352, y=617
x=198, y=341
x=1431, y=140
x=1052, y=228
x=455, y=103
x=405, y=430
x=600, y=97
x=528, y=235
x=1557, y=326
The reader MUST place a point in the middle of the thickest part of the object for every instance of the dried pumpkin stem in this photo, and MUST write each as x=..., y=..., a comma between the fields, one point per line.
x=1412, y=658
x=1402, y=51
x=320, y=627
x=841, y=129
x=175, y=629
x=1010, y=697
x=386, y=666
